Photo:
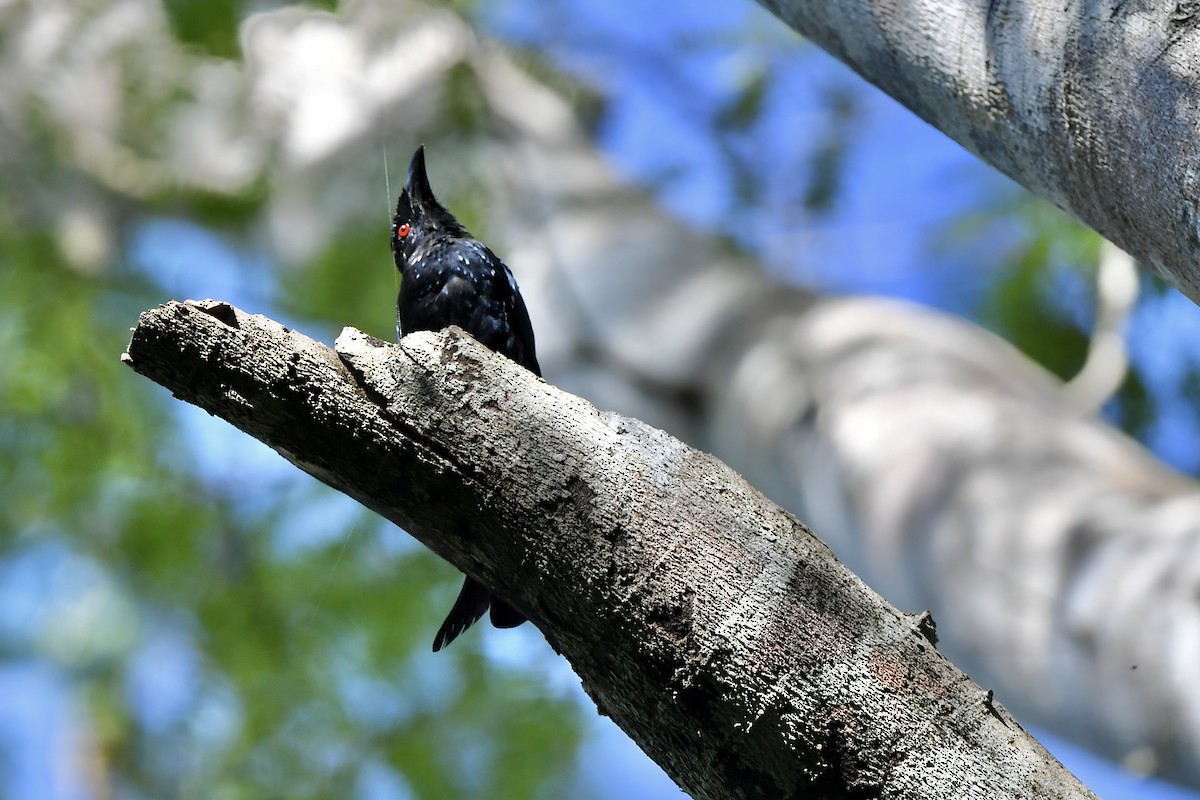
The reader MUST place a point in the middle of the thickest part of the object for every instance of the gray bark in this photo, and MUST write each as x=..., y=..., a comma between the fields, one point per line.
x=712, y=625
x=1092, y=105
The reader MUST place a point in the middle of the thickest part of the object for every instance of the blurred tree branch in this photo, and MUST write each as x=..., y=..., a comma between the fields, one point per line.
x=1092, y=106
x=712, y=625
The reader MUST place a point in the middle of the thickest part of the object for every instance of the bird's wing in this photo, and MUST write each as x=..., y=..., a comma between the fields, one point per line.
x=521, y=325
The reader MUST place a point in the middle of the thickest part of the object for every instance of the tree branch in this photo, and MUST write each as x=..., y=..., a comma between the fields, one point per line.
x=723, y=636
x=1094, y=106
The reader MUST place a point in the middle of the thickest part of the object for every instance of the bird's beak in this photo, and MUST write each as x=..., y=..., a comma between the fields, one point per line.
x=418, y=188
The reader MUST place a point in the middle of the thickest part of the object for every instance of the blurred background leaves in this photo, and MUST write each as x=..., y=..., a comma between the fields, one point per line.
x=181, y=614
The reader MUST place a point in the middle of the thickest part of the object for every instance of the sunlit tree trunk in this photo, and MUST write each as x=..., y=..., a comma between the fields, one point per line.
x=1094, y=106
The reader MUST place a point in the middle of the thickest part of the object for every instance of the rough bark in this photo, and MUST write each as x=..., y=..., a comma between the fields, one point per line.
x=712, y=625
x=1092, y=105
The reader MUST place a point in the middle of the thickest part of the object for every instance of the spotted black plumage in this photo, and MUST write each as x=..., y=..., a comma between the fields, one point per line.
x=449, y=278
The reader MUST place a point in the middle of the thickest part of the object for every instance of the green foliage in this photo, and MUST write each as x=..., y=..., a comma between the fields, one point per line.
x=1135, y=409
x=222, y=210
x=1044, y=296
x=299, y=651
x=318, y=656
x=1032, y=321
x=208, y=25
x=464, y=108
x=746, y=106
x=827, y=163
x=211, y=26
x=67, y=415
x=1027, y=244
x=352, y=281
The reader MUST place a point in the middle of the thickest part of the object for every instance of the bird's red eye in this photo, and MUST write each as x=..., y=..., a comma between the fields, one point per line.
x=403, y=230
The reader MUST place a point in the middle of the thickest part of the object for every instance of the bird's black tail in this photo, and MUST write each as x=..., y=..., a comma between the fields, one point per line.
x=472, y=601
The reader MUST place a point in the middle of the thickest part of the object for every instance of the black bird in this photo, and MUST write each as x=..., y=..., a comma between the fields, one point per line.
x=449, y=278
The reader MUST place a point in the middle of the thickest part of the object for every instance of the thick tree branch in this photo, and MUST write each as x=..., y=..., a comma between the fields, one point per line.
x=709, y=623
x=1094, y=106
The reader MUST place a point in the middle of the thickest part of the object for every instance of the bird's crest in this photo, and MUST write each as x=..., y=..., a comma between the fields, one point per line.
x=418, y=207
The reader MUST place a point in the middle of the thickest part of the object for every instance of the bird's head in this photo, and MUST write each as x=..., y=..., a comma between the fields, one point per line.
x=420, y=220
